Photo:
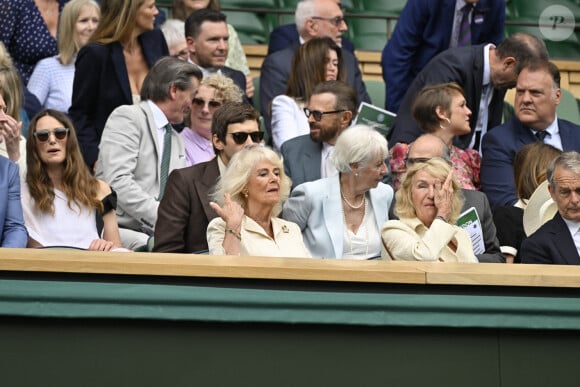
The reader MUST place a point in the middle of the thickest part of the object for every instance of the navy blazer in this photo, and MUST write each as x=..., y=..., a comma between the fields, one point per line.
x=551, y=244
x=276, y=71
x=101, y=84
x=499, y=148
x=12, y=229
x=423, y=31
x=463, y=65
x=287, y=34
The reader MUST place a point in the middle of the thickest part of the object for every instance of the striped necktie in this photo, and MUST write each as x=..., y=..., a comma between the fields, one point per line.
x=165, y=158
x=464, y=37
x=541, y=135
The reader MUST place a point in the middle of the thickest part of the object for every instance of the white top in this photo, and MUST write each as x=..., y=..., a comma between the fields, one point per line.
x=366, y=243
x=52, y=83
x=288, y=120
x=76, y=227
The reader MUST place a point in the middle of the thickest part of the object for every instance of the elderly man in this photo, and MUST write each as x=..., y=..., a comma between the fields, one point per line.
x=184, y=211
x=314, y=18
x=139, y=146
x=484, y=72
x=537, y=96
x=331, y=108
x=428, y=146
x=206, y=32
x=427, y=27
x=558, y=240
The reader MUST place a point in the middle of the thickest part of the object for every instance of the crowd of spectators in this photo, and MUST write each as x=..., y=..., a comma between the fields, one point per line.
x=146, y=138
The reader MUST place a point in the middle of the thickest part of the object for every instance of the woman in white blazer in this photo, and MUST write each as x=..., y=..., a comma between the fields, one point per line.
x=342, y=216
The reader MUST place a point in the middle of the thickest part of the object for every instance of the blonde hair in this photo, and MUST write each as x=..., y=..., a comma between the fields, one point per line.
x=436, y=167
x=68, y=37
x=236, y=177
x=117, y=20
x=225, y=90
x=10, y=85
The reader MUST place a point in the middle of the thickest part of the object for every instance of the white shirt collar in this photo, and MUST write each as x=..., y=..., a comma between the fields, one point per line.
x=158, y=115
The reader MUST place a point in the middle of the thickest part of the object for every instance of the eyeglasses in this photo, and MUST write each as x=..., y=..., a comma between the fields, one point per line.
x=212, y=104
x=44, y=134
x=317, y=114
x=414, y=160
x=241, y=137
x=337, y=21
x=183, y=55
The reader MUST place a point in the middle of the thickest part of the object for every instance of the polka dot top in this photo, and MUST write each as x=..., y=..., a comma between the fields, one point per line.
x=25, y=34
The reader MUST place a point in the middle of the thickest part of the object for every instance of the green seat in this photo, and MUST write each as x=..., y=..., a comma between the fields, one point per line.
x=249, y=26
x=383, y=7
x=568, y=107
x=376, y=90
x=269, y=4
x=368, y=34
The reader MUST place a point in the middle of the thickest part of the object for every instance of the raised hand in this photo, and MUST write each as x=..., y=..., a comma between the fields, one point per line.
x=444, y=196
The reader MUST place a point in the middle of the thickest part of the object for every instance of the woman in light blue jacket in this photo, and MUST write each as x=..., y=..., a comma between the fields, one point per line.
x=342, y=216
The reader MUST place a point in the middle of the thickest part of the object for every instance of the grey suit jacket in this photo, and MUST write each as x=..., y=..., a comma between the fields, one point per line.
x=129, y=161
x=302, y=159
x=317, y=209
x=478, y=200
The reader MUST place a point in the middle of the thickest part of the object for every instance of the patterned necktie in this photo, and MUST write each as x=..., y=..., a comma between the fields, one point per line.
x=541, y=135
x=464, y=37
x=165, y=158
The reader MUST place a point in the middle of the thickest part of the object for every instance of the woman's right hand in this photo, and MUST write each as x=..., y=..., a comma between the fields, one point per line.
x=101, y=245
x=231, y=212
x=444, y=197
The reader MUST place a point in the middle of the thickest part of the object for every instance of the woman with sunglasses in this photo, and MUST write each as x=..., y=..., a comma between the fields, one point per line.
x=248, y=197
x=428, y=205
x=63, y=204
x=442, y=111
x=317, y=60
x=341, y=216
x=212, y=93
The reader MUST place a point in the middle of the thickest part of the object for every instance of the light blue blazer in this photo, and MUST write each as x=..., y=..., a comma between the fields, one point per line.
x=12, y=229
x=317, y=209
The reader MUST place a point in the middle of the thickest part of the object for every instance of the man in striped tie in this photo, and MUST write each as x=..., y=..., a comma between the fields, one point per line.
x=139, y=147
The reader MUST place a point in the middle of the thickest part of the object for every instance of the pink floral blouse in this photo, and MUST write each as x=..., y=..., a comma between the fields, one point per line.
x=466, y=164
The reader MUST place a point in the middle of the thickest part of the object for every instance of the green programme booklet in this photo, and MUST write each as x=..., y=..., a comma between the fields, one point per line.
x=375, y=117
x=469, y=221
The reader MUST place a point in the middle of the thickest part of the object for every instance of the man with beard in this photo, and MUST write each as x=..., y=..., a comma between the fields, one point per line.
x=330, y=111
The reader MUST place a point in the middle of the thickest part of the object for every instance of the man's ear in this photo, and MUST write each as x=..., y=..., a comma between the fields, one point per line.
x=190, y=44
x=508, y=63
x=441, y=113
x=172, y=92
x=311, y=28
x=346, y=118
x=552, y=192
x=217, y=143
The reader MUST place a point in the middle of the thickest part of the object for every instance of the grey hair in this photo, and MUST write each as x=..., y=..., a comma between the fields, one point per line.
x=358, y=144
x=166, y=72
x=567, y=160
x=173, y=31
x=304, y=10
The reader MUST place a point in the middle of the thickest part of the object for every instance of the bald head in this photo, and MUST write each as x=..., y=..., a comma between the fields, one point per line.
x=428, y=146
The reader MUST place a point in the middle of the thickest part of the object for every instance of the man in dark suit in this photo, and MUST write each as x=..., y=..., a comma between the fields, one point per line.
x=537, y=96
x=287, y=35
x=484, y=72
x=428, y=146
x=206, y=32
x=558, y=241
x=320, y=18
x=330, y=111
x=427, y=27
x=184, y=211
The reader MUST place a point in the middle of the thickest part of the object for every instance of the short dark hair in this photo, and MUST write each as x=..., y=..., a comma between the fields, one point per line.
x=231, y=113
x=195, y=20
x=165, y=72
x=525, y=48
x=548, y=67
x=346, y=97
x=431, y=97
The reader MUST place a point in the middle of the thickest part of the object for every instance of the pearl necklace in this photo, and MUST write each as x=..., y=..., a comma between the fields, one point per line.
x=362, y=202
x=363, y=225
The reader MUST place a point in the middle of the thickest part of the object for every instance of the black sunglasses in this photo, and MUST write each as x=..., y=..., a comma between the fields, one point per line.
x=317, y=114
x=213, y=104
x=241, y=137
x=44, y=134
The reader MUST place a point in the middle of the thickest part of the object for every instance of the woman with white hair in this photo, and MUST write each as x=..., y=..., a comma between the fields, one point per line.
x=248, y=197
x=341, y=216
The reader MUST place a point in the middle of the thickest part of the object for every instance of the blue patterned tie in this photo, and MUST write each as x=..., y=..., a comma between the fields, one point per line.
x=464, y=37
x=165, y=158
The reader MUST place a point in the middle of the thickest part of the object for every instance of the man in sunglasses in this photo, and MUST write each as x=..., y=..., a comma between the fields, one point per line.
x=330, y=111
x=206, y=33
x=428, y=146
x=314, y=18
x=139, y=146
x=184, y=211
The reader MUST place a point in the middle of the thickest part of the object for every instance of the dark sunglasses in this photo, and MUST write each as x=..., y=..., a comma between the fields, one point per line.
x=44, y=134
x=241, y=137
x=201, y=103
x=317, y=114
